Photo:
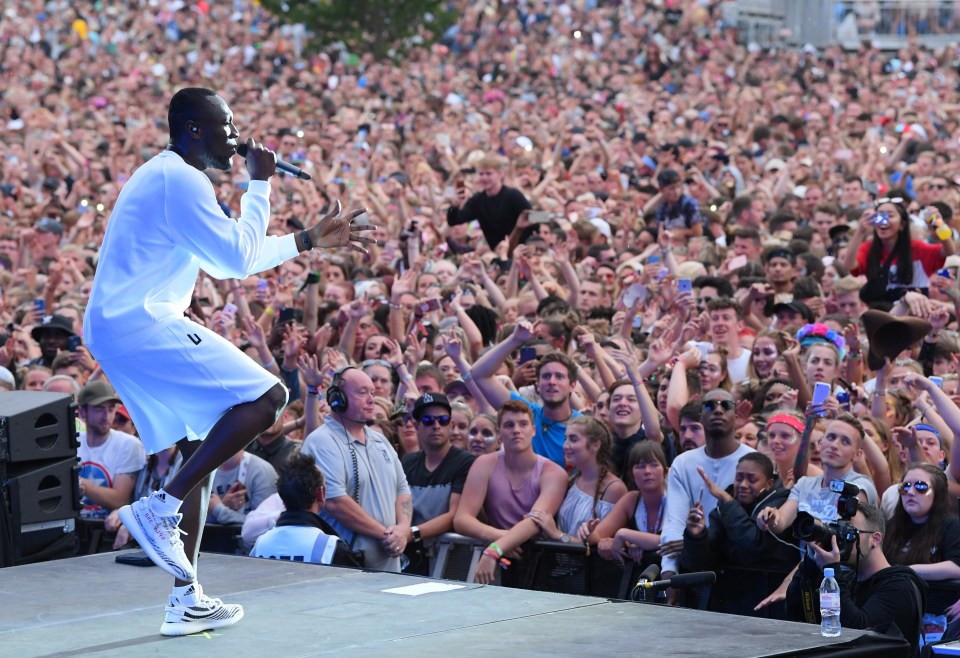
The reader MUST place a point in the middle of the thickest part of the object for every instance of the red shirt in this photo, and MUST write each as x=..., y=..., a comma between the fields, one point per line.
x=927, y=259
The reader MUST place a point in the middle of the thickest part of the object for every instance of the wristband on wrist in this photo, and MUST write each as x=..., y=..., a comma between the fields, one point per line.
x=313, y=390
x=306, y=241
x=496, y=556
x=467, y=377
x=271, y=362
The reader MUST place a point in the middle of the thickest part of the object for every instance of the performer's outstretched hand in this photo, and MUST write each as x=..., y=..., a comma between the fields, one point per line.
x=334, y=230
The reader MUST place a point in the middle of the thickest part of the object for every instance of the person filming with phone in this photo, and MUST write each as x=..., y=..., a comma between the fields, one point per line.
x=898, y=267
x=496, y=207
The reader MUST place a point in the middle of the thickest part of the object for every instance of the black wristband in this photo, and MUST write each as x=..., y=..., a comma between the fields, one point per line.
x=306, y=241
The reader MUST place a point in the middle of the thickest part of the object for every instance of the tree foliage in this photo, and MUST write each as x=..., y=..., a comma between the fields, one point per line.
x=384, y=28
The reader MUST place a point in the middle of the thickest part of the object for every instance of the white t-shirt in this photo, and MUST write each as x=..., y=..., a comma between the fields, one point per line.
x=120, y=454
x=820, y=502
x=165, y=227
x=685, y=487
x=737, y=368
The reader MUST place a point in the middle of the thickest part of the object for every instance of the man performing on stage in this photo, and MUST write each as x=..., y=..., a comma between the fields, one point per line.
x=179, y=381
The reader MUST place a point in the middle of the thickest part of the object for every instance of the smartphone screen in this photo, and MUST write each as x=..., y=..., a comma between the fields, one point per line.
x=821, y=391
x=527, y=354
x=737, y=262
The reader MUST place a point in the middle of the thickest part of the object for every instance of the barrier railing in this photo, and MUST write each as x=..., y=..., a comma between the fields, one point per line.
x=889, y=24
x=568, y=569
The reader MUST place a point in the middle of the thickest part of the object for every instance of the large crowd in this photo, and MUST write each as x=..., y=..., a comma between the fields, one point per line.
x=658, y=239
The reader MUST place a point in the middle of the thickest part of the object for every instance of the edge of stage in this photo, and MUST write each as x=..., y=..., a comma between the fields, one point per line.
x=95, y=606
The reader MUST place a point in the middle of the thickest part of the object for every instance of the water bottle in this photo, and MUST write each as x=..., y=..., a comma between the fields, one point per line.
x=829, y=605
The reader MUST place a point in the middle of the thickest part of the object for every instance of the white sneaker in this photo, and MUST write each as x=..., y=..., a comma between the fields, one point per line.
x=204, y=615
x=158, y=536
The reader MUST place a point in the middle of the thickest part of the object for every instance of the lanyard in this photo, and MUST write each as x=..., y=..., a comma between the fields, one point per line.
x=643, y=516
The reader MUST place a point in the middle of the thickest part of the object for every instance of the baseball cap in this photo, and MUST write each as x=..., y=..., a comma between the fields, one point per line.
x=602, y=226
x=775, y=164
x=455, y=388
x=6, y=378
x=49, y=225
x=97, y=392
x=52, y=323
x=429, y=400
x=794, y=306
x=122, y=411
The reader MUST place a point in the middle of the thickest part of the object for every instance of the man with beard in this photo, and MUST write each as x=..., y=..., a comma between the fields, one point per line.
x=53, y=335
x=555, y=378
x=717, y=458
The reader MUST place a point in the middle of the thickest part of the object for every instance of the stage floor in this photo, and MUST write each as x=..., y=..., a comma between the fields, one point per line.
x=92, y=606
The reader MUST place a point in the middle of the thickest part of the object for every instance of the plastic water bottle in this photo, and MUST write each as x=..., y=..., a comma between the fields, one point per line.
x=829, y=605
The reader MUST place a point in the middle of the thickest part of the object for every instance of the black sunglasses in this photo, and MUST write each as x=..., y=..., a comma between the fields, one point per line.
x=919, y=487
x=443, y=419
x=711, y=405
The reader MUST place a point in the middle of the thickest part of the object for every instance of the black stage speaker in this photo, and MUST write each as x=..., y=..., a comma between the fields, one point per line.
x=39, y=477
x=35, y=425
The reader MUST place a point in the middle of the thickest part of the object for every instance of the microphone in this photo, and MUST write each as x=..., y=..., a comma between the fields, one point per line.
x=282, y=167
x=695, y=579
x=649, y=574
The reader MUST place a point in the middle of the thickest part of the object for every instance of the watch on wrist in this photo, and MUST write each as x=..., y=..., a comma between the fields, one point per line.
x=415, y=531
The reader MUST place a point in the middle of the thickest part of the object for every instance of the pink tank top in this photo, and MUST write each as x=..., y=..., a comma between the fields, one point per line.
x=506, y=506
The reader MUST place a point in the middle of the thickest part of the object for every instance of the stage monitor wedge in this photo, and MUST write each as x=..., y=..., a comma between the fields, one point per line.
x=37, y=426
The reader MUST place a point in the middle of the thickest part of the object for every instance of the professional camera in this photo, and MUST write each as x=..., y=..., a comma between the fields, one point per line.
x=809, y=529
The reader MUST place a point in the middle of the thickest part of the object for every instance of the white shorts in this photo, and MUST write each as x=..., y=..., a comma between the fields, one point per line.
x=181, y=381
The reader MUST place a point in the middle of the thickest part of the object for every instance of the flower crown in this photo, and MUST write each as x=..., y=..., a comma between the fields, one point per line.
x=821, y=333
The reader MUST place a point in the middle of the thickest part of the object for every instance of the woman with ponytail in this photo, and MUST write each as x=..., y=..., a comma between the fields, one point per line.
x=593, y=489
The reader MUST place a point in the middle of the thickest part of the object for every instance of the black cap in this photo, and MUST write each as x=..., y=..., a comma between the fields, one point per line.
x=668, y=177
x=53, y=323
x=839, y=229
x=430, y=400
x=795, y=306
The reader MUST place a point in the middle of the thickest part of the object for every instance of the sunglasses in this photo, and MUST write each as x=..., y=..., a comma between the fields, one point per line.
x=376, y=362
x=428, y=421
x=888, y=199
x=938, y=187
x=711, y=405
x=403, y=418
x=919, y=487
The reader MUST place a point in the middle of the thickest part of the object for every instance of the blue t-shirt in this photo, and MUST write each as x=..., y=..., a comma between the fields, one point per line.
x=548, y=441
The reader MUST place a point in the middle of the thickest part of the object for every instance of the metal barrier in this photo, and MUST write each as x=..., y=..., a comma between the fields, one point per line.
x=549, y=566
x=889, y=24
